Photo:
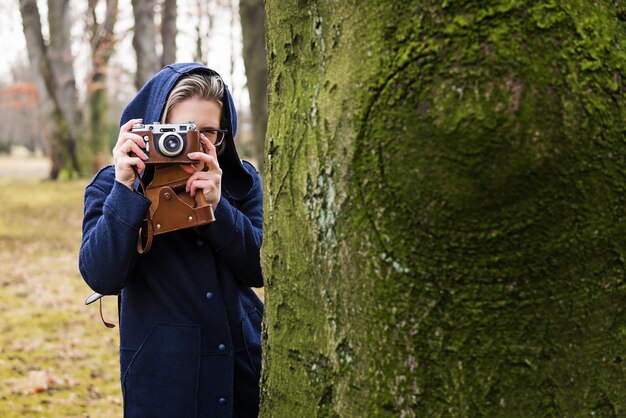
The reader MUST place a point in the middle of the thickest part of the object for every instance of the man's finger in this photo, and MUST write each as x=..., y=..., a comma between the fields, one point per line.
x=128, y=125
x=132, y=143
x=128, y=136
x=208, y=146
x=132, y=161
x=138, y=151
x=209, y=160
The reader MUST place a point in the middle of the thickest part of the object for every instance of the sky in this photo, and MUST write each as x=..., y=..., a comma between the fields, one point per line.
x=12, y=43
x=225, y=41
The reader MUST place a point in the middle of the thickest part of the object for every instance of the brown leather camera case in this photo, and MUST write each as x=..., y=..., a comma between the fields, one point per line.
x=172, y=208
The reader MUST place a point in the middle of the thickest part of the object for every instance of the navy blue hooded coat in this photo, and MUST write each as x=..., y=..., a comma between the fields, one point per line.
x=189, y=322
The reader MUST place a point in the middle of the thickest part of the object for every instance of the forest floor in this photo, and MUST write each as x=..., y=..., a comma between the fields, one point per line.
x=56, y=357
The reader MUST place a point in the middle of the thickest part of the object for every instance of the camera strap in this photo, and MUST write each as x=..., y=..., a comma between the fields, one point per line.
x=145, y=233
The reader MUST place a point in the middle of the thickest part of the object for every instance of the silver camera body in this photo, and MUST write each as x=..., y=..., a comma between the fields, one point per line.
x=169, y=143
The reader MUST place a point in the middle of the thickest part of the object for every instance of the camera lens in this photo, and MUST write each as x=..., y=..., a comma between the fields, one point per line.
x=171, y=145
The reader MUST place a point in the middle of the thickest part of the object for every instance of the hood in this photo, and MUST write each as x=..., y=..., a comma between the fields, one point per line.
x=149, y=104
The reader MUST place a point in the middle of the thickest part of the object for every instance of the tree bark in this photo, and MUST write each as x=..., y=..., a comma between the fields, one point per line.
x=168, y=32
x=204, y=30
x=53, y=69
x=444, y=230
x=62, y=60
x=252, y=17
x=102, y=46
x=144, y=41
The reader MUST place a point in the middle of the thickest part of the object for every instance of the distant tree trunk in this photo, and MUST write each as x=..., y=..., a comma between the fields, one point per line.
x=199, y=52
x=61, y=58
x=233, y=24
x=144, y=41
x=445, y=224
x=252, y=18
x=53, y=68
x=168, y=32
x=204, y=30
x=102, y=45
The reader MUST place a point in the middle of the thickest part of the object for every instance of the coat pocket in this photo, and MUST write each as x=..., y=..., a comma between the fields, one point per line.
x=162, y=377
x=251, y=327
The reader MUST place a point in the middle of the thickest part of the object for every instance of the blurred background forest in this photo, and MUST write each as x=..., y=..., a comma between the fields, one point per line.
x=68, y=68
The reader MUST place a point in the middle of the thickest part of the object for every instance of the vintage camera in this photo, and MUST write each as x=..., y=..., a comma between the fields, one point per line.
x=169, y=143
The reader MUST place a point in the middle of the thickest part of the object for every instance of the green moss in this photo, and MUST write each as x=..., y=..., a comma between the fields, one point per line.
x=466, y=163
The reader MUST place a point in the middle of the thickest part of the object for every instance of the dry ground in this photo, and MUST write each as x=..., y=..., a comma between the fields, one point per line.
x=56, y=357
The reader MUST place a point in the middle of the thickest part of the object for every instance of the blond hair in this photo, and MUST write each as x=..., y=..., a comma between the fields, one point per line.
x=199, y=85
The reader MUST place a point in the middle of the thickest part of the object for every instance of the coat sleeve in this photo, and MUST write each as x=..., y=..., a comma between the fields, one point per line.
x=237, y=233
x=112, y=217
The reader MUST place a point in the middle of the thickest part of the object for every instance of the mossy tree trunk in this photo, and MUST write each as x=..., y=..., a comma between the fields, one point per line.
x=102, y=42
x=444, y=228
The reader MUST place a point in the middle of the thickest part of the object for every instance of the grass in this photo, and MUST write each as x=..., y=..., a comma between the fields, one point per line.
x=56, y=357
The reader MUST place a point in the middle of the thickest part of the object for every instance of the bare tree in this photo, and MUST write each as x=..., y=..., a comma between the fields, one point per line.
x=102, y=42
x=53, y=70
x=145, y=37
x=232, y=10
x=204, y=29
x=144, y=41
x=252, y=18
x=168, y=32
x=19, y=113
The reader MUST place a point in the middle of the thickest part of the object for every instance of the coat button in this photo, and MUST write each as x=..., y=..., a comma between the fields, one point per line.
x=209, y=295
x=222, y=401
x=200, y=243
x=221, y=347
